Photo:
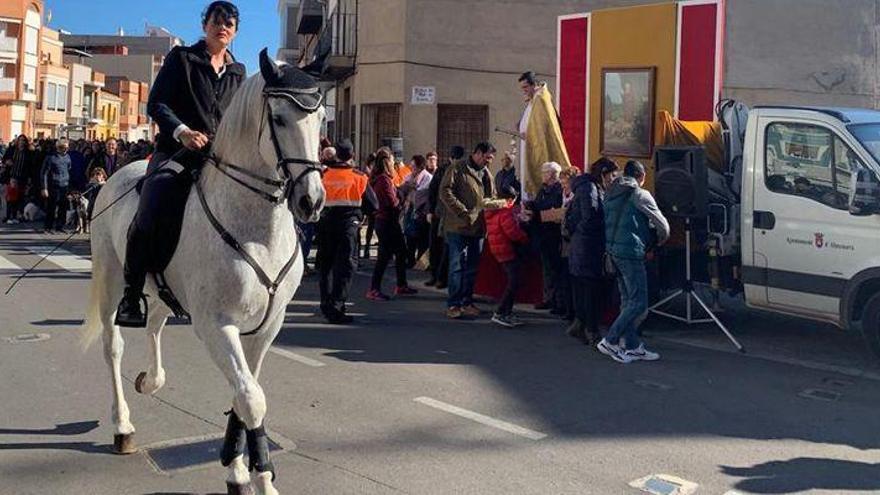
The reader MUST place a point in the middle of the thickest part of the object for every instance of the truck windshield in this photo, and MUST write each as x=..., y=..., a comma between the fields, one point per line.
x=869, y=136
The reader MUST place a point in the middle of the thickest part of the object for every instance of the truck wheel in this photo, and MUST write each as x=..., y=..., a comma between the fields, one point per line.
x=871, y=324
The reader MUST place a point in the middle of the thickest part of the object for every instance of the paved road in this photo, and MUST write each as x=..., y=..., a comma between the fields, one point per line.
x=405, y=401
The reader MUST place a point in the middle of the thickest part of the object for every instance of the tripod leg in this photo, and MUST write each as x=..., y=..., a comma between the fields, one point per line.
x=730, y=336
x=666, y=300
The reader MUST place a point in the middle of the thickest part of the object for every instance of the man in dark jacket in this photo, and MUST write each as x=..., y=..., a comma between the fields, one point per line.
x=630, y=215
x=54, y=180
x=467, y=189
x=110, y=160
x=192, y=90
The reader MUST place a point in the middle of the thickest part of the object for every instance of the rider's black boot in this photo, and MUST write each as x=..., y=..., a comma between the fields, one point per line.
x=129, y=312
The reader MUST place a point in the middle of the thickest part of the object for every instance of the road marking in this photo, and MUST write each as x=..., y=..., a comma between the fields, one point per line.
x=819, y=394
x=297, y=357
x=312, y=303
x=8, y=266
x=63, y=258
x=813, y=365
x=664, y=484
x=482, y=419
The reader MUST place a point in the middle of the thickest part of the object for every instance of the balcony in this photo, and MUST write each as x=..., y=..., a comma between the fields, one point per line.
x=309, y=17
x=8, y=49
x=342, y=27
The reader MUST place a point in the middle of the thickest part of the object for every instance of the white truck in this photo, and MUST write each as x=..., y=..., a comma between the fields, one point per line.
x=800, y=213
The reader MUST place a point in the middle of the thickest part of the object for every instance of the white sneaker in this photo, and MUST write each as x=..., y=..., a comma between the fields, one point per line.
x=613, y=351
x=512, y=318
x=502, y=320
x=642, y=354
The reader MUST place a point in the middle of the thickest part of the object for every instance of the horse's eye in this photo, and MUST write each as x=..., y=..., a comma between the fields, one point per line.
x=278, y=121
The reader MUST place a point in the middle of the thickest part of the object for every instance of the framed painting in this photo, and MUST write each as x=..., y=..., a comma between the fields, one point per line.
x=627, y=112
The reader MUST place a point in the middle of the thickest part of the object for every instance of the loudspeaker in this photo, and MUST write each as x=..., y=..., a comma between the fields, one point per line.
x=681, y=182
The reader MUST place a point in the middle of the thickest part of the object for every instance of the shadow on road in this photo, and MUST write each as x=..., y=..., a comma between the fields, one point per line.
x=805, y=474
x=572, y=391
x=56, y=323
x=78, y=428
x=85, y=447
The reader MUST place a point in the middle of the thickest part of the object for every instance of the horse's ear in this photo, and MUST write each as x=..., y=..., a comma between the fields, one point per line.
x=268, y=68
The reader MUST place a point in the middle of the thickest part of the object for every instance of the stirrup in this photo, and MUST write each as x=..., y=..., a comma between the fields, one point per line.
x=128, y=320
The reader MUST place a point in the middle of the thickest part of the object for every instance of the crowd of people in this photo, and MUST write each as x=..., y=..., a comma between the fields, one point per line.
x=42, y=179
x=587, y=229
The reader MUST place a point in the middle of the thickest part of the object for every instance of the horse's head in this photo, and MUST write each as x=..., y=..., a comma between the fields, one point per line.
x=294, y=113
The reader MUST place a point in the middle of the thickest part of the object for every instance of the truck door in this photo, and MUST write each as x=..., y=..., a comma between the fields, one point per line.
x=802, y=226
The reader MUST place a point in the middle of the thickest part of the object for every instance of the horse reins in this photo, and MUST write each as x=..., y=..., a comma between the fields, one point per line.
x=283, y=188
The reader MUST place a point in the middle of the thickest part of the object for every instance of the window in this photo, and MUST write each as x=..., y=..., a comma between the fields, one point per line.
x=378, y=123
x=31, y=35
x=77, y=96
x=61, y=100
x=30, y=79
x=461, y=125
x=809, y=161
x=51, y=96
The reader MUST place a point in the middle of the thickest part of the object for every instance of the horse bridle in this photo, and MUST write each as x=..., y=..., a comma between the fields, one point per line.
x=283, y=188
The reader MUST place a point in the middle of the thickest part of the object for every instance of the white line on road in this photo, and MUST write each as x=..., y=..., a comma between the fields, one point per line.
x=8, y=266
x=64, y=258
x=482, y=419
x=297, y=357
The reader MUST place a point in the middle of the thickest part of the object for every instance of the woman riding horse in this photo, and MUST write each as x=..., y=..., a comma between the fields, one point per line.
x=191, y=92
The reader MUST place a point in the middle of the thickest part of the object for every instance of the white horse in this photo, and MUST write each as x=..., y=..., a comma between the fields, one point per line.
x=267, y=142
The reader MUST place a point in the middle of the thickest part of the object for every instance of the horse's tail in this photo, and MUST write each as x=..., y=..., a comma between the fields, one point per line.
x=93, y=325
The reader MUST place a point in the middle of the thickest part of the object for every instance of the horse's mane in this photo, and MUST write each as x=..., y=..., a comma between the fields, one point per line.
x=240, y=123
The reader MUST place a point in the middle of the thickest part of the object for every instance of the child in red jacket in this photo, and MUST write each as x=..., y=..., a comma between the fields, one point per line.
x=506, y=238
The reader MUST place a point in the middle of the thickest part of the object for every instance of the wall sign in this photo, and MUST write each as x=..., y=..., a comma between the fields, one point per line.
x=423, y=95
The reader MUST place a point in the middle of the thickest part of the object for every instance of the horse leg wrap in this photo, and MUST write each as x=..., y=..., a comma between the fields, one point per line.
x=258, y=451
x=234, y=443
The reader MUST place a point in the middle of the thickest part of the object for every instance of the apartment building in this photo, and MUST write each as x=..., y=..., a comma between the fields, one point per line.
x=20, y=24
x=133, y=122
x=53, y=103
x=138, y=58
x=109, y=109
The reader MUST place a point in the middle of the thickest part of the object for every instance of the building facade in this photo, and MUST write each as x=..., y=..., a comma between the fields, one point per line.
x=53, y=103
x=133, y=124
x=785, y=52
x=435, y=73
x=20, y=43
x=109, y=109
x=423, y=74
x=138, y=58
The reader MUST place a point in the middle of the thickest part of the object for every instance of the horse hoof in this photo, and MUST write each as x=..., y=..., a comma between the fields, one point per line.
x=234, y=489
x=123, y=444
x=139, y=382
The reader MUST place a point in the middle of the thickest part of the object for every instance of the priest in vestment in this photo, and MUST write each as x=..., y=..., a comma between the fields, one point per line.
x=540, y=134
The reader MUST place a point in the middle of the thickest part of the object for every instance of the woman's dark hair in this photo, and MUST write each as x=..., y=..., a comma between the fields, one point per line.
x=602, y=166
x=420, y=162
x=384, y=163
x=225, y=11
x=528, y=77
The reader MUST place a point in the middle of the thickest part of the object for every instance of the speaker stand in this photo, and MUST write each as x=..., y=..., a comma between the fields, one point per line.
x=691, y=295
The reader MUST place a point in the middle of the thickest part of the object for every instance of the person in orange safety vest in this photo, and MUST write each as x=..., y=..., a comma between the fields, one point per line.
x=346, y=192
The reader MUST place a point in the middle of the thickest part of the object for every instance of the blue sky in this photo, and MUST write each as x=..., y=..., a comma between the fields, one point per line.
x=259, y=28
